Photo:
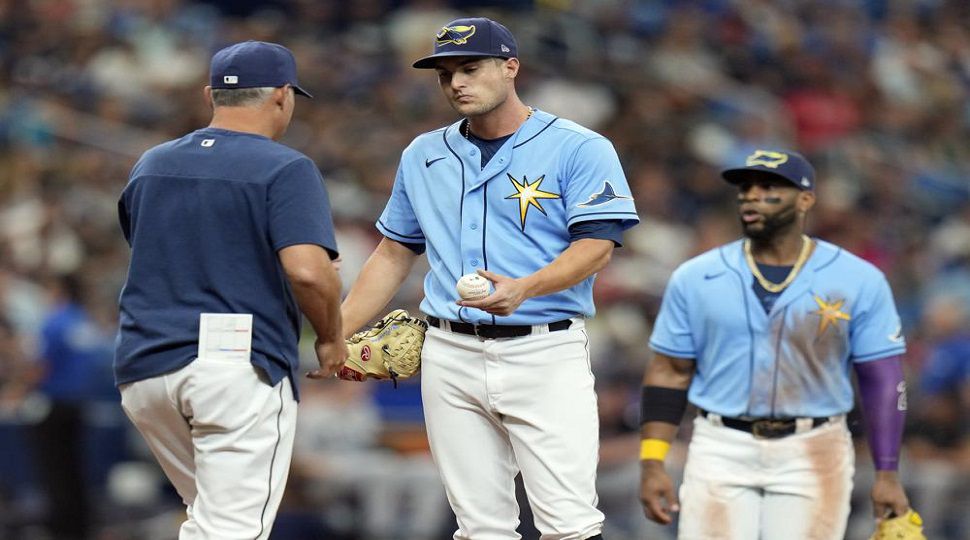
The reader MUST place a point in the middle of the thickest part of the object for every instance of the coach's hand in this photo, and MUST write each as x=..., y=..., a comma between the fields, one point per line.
x=331, y=356
x=508, y=295
x=657, y=493
x=888, y=495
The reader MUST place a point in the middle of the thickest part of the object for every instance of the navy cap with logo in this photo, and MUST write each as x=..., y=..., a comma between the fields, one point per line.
x=476, y=36
x=790, y=166
x=254, y=64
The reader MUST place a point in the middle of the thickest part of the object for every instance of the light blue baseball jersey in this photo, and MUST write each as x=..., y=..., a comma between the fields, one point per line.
x=792, y=361
x=512, y=217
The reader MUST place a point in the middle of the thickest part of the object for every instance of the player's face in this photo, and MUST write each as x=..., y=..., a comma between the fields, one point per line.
x=767, y=206
x=475, y=86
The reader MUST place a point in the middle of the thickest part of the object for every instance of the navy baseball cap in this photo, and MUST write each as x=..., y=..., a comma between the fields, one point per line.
x=790, y=166
x=254, y=64
x=476, y=36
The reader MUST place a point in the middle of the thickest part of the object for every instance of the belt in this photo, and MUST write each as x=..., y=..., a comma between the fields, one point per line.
x=768, y=428
x=494, y=331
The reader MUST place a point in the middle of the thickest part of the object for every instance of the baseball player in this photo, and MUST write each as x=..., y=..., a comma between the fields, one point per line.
x=535, y=203
x=760, y=334
x=231, y=237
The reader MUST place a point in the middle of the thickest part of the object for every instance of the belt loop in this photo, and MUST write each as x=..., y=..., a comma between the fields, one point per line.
x=445, y=325
x=804, y=424
x=715, y=419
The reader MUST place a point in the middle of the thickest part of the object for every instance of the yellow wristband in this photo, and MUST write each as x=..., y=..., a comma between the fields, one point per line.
x=653, y=449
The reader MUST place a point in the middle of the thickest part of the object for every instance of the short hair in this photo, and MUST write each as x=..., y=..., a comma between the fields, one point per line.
x=240, y=97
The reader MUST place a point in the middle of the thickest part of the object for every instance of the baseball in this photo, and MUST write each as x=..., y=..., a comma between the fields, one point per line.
x=472, y=287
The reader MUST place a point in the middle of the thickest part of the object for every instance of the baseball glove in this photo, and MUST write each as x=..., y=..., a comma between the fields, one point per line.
x=908, y=526
x=391, y=349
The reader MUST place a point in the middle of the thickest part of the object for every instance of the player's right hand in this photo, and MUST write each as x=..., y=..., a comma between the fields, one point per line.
x=331, y=355
x=657, y=493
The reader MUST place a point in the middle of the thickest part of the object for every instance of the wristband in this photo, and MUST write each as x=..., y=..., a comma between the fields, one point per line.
x=653, y=449
x=661, y=404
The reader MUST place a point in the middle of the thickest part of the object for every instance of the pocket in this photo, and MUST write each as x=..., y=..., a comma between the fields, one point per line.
x=226, y=362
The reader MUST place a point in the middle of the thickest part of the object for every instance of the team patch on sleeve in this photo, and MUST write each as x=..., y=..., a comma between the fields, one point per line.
x=605, y=195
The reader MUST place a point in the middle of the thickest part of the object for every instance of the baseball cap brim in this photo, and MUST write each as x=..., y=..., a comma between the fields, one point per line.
x=736, y=176
x=430, y=62
x=302, y=92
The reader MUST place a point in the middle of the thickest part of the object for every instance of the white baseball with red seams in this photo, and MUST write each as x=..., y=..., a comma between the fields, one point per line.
x=472, y=287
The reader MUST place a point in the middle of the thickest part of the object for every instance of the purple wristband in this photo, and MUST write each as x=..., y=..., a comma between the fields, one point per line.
x=883, y=392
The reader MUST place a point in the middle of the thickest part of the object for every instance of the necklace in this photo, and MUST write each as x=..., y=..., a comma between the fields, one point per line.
x=467, y=128
x=778, y=287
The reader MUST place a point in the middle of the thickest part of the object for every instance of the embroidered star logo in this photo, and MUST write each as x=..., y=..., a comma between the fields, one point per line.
x=830, y=313
x=528, y=195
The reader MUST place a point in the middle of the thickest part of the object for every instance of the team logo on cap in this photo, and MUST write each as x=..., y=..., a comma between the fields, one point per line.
x=454, y=34
x=766, y=158
x=230, y=79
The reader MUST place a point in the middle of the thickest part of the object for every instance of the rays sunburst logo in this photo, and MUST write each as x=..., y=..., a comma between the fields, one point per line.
x=529, y=195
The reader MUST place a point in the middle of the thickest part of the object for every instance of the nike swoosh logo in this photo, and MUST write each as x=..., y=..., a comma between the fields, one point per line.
x=712, y=276
x=429, y=162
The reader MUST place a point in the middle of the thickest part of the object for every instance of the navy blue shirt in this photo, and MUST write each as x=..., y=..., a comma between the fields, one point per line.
x=205, y=216
x=774, y=274
x=488, y=147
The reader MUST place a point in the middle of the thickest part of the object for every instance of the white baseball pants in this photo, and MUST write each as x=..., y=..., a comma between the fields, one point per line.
x=495, y=407
x=737, y=487
x=224, y=438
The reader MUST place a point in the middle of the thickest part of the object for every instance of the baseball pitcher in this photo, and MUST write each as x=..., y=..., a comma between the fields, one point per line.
x=535, y=204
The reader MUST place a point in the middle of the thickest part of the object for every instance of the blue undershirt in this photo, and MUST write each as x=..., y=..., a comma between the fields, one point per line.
x=774, y=274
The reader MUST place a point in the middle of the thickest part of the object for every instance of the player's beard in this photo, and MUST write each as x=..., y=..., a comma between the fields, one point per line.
x=772, y=225
x=477, y=108
x=484, y=103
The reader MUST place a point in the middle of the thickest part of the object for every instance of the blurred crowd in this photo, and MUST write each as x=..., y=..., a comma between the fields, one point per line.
x=876, y=93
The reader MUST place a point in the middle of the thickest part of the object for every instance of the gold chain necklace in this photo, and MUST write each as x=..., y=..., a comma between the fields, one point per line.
x=468, y=127
x=792, y=274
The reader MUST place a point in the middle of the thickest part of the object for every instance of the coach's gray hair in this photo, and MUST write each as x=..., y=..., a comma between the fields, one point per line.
x=240, y=97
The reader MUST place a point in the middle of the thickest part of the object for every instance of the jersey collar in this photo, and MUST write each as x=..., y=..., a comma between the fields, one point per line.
x=820, y=258
x=530, y=128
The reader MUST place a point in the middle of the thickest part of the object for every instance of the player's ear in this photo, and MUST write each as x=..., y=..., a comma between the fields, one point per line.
x=207, y=92
x=279, y=95
x=511, y=68
x=805, y=201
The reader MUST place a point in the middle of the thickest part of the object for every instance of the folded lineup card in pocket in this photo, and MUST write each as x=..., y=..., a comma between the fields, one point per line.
x=225, y=336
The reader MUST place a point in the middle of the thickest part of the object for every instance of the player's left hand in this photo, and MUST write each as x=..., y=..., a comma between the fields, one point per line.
x=888, y=496
x=507, y=296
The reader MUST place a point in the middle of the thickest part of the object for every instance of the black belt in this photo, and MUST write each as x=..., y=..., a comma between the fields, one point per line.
x=767, y=428
x=493, y=331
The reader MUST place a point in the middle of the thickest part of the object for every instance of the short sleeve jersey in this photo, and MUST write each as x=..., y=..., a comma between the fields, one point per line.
x=205, y=216
x=512, y=217
x=792, y=361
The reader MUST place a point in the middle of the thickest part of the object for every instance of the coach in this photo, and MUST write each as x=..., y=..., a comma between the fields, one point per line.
x=230, y=232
